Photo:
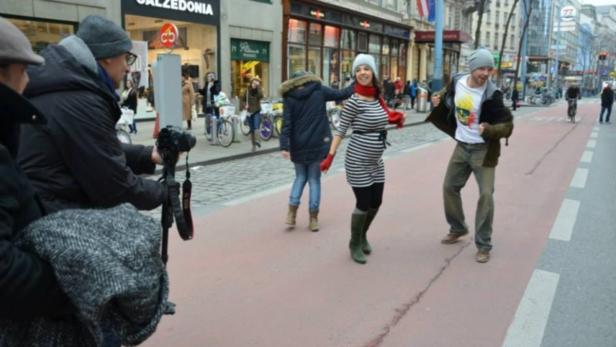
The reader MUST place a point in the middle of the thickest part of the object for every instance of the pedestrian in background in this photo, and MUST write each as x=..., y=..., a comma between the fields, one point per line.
x=129, y=100
x=210, y=90
x=367, y=114
x=28, y=286
x=306, y=136
x=607, y=100
x=515, y=97
x=473, y=113
x=251, y=102
x=413, y=93
x=188, y=98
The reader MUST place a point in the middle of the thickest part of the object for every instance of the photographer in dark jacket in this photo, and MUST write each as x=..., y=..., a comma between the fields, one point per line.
x=77, y=160
x=28, y=287
x=306, y=136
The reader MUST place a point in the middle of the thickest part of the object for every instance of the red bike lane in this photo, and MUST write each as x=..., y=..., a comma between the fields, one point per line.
x=245, y=280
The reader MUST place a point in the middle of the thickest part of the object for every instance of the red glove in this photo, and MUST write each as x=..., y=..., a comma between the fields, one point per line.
x=327, y=162
x=397, y=118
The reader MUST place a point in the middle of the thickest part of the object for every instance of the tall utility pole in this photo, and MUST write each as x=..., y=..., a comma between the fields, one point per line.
x=437, y=79
x=524, y=46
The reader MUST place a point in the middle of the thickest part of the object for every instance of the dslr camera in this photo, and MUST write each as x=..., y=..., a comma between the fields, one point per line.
x=172, y=141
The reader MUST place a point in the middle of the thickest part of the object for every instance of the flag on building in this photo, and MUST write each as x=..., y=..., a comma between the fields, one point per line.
x=432, y=10
x=422, y=8
x=426, y=9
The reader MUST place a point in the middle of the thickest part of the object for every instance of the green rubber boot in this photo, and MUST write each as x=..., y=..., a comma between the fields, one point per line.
x=365, y=246
x=358, y=219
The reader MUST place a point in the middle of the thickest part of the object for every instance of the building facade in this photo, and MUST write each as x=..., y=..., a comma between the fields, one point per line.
x=324, y=38
x=494, y=29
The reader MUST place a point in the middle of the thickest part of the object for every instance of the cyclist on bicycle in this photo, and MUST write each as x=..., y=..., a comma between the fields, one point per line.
x=572, y=95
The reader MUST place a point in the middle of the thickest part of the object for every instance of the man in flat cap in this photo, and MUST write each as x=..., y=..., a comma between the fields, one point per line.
x=473, y=113
x=28, y=287
x=77, y=161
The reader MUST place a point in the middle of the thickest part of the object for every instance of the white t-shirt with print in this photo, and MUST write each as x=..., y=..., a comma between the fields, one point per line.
x=468, y=108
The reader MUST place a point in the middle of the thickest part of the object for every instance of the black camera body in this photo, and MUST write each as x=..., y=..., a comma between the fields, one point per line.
x=172, y=140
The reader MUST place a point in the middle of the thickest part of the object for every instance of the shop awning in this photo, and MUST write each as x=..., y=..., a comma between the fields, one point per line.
x=453, y=36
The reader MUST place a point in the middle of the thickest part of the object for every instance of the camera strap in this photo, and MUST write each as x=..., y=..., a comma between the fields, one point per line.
x=186, y=194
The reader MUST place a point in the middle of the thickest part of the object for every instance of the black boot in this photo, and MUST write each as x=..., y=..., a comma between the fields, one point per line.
x=358, y=219
x=365, y=246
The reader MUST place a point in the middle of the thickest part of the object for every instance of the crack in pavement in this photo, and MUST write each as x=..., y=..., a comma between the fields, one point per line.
x=545, y=155
x=405, y=308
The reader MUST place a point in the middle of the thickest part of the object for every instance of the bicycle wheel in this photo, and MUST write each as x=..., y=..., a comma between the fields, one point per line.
x=266, y=129
x=123, y=136
x=334, y=118
x=244, y=126
x=277, y=125
x=226, y=134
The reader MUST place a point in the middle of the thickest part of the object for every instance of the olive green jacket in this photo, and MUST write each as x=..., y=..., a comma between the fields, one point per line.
x=493, y=111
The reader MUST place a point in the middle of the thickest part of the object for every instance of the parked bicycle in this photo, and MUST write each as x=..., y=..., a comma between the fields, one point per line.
x=122, y=129
x=224, y=133
x=333, y=114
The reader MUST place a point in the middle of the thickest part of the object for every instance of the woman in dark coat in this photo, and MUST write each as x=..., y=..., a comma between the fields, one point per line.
x=306, y=136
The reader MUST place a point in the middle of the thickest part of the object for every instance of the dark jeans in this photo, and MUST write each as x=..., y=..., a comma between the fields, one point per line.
x=467, y=159
x=369, y=197
x=608, y=109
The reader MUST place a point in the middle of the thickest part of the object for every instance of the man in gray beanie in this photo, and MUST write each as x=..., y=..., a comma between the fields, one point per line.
x=77, y=160
x=473, y=113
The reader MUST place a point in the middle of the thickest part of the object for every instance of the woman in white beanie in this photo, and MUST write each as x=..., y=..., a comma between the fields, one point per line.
x=368, y=115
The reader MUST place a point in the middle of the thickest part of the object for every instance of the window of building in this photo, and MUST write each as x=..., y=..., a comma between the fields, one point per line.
x=347, y=40
x=297, y=31
x=362, y=42
x=495, y=40
x=42, y=33
x=375, y=44
x=314, y=34
x=390, y=4
x=513, y=43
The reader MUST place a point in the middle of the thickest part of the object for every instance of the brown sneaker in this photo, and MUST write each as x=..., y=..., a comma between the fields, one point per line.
x=482, y=256
x=452, y=238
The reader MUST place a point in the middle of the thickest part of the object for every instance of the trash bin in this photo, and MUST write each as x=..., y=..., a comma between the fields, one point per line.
x=422, y=101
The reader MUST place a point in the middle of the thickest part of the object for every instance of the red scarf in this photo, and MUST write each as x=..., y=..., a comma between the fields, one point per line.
x=393, y=117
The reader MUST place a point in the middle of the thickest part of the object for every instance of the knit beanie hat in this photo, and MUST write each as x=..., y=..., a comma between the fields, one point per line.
x=104, y=38
x=479, y=58
x=365, y=59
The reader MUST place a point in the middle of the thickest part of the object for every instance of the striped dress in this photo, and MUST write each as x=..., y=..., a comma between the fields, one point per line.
x=363, y=162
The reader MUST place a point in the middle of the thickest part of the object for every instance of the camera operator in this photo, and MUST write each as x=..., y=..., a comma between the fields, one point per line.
x=77, y=160
x=28, y=287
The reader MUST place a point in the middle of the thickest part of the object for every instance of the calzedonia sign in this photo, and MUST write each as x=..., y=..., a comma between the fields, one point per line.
x=180, y=5
x=198, y=11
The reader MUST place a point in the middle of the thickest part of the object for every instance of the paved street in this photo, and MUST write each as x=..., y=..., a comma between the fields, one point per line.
x=247, y=280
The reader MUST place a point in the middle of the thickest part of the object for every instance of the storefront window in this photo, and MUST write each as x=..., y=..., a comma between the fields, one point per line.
x=297, y=31
x=375, y=44
x=385, y=46
x=347, y=40
x=296, y=58
x=331, y=66
x=314, y=60
x=196, y=46
x=346, y=63
x=314, y=35
x=331, y=37
x=362, y=42
x=250, y=59
x=384, y=70
x=41, y=34
x=394, y=47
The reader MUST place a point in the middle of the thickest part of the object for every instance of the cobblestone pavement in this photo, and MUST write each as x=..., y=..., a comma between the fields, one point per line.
x=217, y=185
